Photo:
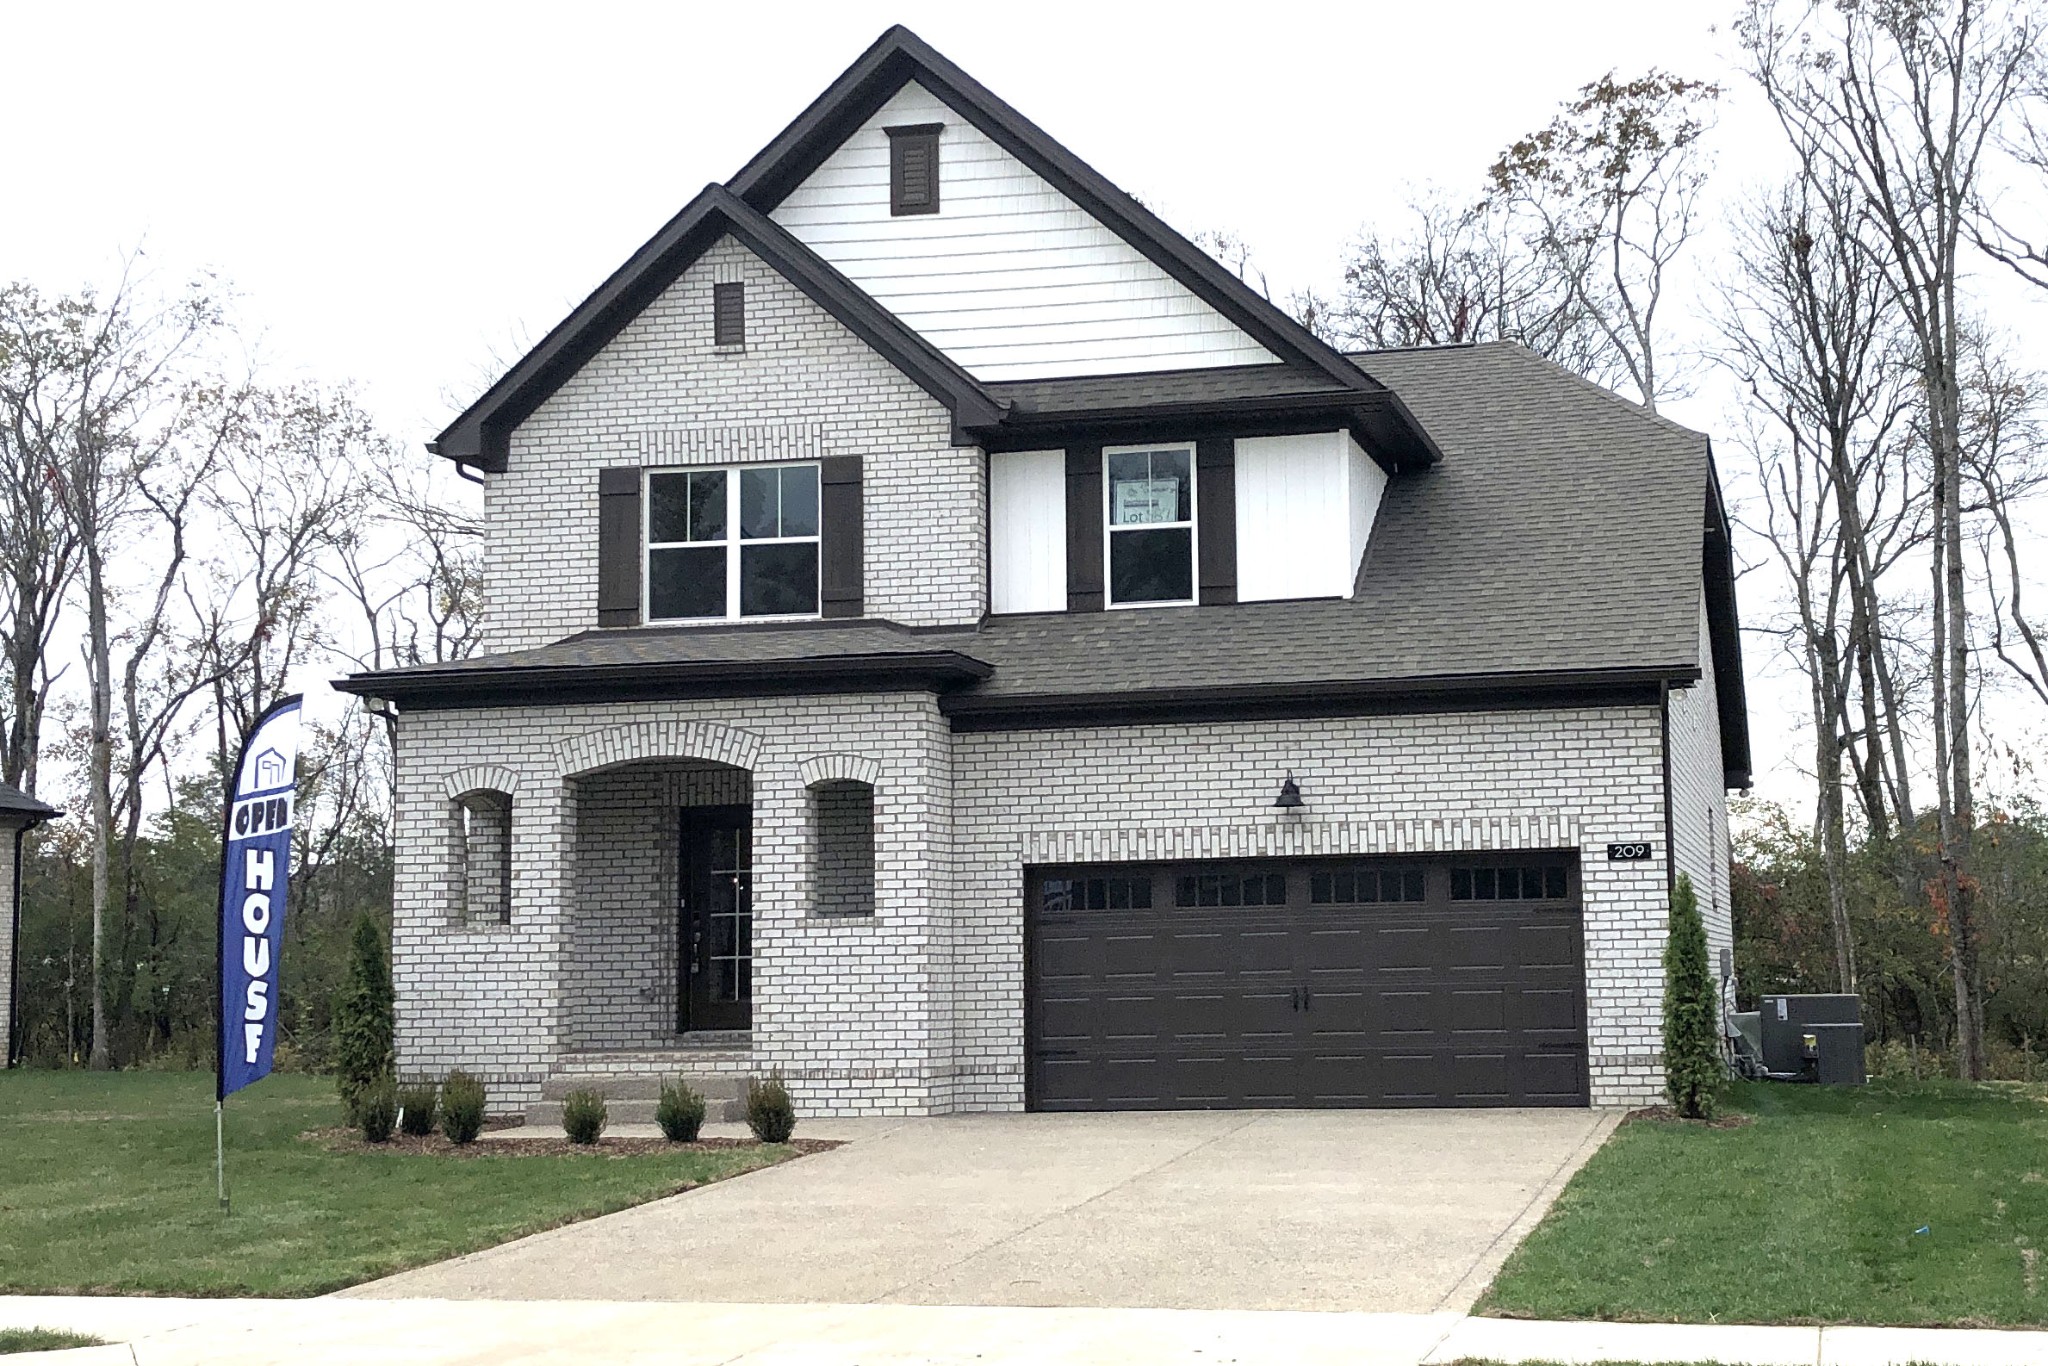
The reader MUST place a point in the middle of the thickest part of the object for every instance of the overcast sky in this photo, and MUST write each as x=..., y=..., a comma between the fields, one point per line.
x=401, y=193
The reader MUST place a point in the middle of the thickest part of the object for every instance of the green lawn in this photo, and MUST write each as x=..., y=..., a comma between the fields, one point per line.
x=106, y=1184
x=1888, y=1204
x=42, y=1340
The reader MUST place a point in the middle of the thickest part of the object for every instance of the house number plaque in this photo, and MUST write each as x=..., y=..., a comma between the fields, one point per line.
x=1628, y=853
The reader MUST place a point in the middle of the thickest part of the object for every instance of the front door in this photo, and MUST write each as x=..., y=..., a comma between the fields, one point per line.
x=716, y=919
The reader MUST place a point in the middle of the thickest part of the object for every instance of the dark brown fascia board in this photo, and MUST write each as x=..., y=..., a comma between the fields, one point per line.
x=481, y=435
x=969, y=711
x=899, y=56
x=1724, y=636
x=554, y=684
x=1366, y=416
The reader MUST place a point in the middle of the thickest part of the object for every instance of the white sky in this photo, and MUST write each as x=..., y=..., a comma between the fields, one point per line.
x=399, y=193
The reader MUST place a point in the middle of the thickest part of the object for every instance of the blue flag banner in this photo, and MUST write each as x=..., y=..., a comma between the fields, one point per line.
x=256, y=860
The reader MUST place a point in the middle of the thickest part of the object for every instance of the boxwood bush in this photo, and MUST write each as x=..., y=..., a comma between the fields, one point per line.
x=462, y=1107
x=583, y=1116
x=377, y=1109
x=680, y=1112
x=770, y=1113
x=416, y=1109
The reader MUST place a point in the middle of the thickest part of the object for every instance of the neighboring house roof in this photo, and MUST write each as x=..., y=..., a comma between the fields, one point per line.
x=1555, y=552
x=480, y=436
x=18, y=808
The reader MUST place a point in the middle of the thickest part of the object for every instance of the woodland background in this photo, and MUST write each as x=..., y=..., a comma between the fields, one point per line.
x=182, y=531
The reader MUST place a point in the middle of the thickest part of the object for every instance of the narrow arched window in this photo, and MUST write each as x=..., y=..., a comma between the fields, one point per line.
x=843, y=848
x=486, y=857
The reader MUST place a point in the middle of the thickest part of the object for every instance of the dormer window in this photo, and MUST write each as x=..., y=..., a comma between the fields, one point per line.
x=914, y=169
x=1151, y=525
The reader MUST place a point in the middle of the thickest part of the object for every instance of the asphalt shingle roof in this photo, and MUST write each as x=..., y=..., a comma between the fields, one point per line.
x=1561, y=532
x=15, y=804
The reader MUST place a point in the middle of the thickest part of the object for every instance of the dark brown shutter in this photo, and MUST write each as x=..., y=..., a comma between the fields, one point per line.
x=839, y=530
x=914, y=168
x=729, y=314
x=1084, y=528
x=618, y=546
x=1216, y=499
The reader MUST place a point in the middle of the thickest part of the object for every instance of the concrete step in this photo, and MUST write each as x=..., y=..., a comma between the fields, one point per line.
x=646, y=1086
x=548, y=1113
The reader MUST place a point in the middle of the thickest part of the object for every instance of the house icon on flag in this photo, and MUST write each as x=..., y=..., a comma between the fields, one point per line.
x=270, y=770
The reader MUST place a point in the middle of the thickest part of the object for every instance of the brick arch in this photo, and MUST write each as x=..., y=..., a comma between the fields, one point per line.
x=827, y=768
x=639, y=740
x=480, y=778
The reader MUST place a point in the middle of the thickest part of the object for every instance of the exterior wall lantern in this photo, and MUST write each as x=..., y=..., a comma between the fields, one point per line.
x=1290, y=795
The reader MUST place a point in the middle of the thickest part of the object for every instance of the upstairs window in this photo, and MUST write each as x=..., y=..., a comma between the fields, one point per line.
x=729, y=314
x=732, y=544
x=914, y=169
x=1151, y=525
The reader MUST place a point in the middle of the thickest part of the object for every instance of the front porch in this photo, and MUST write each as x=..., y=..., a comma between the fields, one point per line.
x=667, y=898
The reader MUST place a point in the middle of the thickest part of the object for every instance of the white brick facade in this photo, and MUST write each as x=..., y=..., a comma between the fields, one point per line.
x=8, y=913
x=919, y=1007
x=1699, y=801
x=661, y=394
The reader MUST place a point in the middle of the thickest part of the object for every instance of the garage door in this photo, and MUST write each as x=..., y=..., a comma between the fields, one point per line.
x=1294, y=983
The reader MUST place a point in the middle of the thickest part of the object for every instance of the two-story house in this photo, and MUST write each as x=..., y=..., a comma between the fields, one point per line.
x=953, y=642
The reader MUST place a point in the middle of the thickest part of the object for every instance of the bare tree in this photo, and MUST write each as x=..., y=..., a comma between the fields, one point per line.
x=38, y=550
x=124, y=405
x=1610, y=187
x=1458, y=273
x=2005, y=462
x=1904, y=99
x=2026, y=145
x=1812, y=332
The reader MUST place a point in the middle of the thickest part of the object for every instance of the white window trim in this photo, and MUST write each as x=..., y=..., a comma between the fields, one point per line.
x=733, y=542
x=1193, y=524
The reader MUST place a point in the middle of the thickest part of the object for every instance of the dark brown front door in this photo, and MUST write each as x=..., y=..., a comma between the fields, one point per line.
x=716, y=920
x=1279, y=983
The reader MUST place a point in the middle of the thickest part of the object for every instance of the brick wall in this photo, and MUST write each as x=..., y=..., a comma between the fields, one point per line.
x=661, y=394
x=849, y=1007
x=1699, y=802
x=843, y=828
x=1546, y=779
x=8, y=911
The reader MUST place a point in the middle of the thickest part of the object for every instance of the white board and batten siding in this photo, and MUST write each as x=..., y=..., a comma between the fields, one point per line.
x=1010, y=278
x=1027, y=493
x=1305, y=508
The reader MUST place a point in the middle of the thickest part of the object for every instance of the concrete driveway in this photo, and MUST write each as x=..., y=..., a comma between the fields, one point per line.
x=1397, y=1211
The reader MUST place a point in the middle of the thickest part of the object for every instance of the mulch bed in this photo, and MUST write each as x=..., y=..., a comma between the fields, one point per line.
x=1664, y=1114
x=346, y=1140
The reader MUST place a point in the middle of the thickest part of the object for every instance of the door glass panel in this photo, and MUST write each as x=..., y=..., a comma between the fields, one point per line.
x=729, y=919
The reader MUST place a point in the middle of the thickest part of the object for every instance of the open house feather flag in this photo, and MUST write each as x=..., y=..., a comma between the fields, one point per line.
x=256, y=860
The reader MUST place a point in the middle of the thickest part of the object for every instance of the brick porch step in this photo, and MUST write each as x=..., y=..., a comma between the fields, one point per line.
x=631, y=1080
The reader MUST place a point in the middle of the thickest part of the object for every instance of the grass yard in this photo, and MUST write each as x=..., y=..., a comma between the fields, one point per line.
x=106, y=1185
x=42, y=1340
x=1889, y=1204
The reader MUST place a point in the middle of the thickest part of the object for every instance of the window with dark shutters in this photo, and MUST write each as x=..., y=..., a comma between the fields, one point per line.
x=729, y=314
x=839, y=515
x=618, y=546
x=1084, y=528
x=914, y=169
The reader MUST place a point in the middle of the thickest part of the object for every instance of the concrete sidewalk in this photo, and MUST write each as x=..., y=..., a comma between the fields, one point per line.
x=337, y=1332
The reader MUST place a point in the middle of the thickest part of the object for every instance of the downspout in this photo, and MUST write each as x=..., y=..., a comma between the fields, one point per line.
x=1664, y=745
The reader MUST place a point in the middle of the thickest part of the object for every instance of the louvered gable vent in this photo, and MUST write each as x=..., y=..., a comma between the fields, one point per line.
x=914, y=169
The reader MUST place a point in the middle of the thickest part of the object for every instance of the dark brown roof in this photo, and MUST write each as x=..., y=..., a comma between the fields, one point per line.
x=17, y=807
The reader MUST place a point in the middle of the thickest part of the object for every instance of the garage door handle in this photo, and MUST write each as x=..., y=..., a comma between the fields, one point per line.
x=1306, y=999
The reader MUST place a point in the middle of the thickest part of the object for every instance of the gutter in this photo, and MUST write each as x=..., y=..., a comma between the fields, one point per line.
x=972, y=711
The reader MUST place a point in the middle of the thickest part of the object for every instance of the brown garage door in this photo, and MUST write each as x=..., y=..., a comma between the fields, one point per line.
x=1294, y=983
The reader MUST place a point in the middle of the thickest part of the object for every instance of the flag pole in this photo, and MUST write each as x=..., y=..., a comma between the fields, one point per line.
x=220, y=1022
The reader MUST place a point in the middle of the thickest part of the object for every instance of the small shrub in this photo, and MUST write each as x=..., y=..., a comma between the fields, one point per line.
x=583, y=1116
x=462, y=1107
x=377, y=1109
x=1692, y=1011
x=770, y=1114
x=363, y=1017
x=416, y=1109
x=680, y=1112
